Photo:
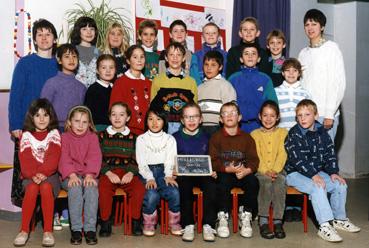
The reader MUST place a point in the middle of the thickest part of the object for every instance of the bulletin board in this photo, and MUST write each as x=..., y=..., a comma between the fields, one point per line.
x=164, y=12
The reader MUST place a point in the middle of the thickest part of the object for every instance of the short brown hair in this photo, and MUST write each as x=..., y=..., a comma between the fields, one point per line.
x=212, y=24
x=147, y=24
x=123, y=104
x=277, y=33
x=307, y=103
x=292, y=62
x=190, y=105
x=252, y=20
x=230, y=104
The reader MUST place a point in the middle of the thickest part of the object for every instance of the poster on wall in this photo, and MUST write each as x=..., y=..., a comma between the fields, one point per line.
x=165, y=12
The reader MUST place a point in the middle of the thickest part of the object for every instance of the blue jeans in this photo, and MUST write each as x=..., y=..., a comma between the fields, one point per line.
x=152, y=196
x=82, y=198
x=323, y=209
x=332, y=131
x=173, y=127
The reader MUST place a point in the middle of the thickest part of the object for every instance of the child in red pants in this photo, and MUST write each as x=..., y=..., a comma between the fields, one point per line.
x=119, y=168
x=39, y=154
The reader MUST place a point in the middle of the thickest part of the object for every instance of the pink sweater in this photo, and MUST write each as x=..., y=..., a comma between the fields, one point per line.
x=80, y=154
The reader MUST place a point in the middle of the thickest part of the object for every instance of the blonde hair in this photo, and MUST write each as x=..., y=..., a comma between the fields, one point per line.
x=307, y=103
x=83, y=110
x=252, y=20
x=125, y=42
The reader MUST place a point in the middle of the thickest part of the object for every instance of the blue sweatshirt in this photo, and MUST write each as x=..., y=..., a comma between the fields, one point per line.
x=191, y=145
x=252, y=89
x=309, y=152
x=29, y=76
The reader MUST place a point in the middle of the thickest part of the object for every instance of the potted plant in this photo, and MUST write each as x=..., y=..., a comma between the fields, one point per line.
x=103, y=14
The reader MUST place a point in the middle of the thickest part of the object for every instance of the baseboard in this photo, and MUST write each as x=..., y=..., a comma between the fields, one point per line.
x=10, y=216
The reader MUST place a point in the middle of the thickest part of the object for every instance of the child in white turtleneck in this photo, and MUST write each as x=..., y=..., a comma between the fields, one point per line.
x=147, y=36
x=155, y=153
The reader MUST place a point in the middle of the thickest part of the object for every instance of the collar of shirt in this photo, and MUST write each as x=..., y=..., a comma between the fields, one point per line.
x=217, y=77
x=226, y=134
x=130, y=75
x=111, y=131
x=102, y=83
x=147, y=49
x=170, y=74
x=295, y=85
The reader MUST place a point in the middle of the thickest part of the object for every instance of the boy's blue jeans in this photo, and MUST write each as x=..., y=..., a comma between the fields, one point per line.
x=323, y=209
x=152, y=196
x=82, y=198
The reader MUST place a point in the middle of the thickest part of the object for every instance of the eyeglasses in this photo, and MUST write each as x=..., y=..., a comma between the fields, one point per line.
x=191, y=117
x=229, y=113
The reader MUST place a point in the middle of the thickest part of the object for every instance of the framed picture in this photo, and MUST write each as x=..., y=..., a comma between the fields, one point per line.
x=193, y=165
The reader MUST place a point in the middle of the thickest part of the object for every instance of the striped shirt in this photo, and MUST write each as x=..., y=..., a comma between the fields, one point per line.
x=289, y=95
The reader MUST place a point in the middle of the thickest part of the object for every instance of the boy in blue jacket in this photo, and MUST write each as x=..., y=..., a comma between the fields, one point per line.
x=252, y=87
x=312, y=168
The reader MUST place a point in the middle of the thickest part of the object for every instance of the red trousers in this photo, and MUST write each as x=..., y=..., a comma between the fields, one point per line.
x=135, y=191
x=29, y=203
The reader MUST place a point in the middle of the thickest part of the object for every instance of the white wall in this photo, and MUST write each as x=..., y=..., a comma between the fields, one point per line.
x=362, y=88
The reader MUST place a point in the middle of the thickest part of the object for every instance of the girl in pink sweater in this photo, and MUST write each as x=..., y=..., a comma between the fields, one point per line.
x=79, y=167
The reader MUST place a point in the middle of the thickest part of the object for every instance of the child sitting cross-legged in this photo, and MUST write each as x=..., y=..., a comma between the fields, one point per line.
x=312, y=168
x=234, y=158
x=119, y=168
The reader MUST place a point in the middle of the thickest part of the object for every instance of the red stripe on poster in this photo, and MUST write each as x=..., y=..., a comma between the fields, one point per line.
x=186, y=6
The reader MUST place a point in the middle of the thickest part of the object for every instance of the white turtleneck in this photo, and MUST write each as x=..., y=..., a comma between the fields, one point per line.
x=155, y=148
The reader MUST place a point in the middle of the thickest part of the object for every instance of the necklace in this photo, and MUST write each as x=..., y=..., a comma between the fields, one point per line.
x=319, y=44
x=157, y=149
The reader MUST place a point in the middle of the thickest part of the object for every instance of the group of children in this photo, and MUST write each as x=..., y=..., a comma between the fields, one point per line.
x=126, y=113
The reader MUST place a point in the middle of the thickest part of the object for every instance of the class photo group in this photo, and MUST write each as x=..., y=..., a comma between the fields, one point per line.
x=89, y=120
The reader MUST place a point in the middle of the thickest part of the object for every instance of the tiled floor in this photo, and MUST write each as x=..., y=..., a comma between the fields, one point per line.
x=357, y=206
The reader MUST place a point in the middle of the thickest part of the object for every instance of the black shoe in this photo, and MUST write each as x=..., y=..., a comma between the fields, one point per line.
x=265, y=232
x=136, y=227
x=296, y=215
x=278, y=231
x=288, y=215
x=105, y=228
x=90, y=237
x=76, y=238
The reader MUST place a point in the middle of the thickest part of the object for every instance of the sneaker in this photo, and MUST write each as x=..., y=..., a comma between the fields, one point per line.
x=90, y=237
x=64, y=221
x=76, y=238
x=21, y=239
x=48, y=239
x=244, y=222
x=188, y=233
x=346, y=225
x=56, y=224
x=137, y=227
x=328, y=233
x=223, y=229
x=208, y=233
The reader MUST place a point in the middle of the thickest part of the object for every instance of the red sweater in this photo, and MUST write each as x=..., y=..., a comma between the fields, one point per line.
x=81, y=154
x=39, y=152
x=136, y=93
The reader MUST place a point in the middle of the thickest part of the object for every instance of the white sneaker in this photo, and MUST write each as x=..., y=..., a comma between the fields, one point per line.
x=188, y=233
x=346, y=225
x=328, y=233
x=208, y=233
x=48, y=239
x=244, y=222
x=64, y=221
x=21, y=239
x=223, y=229
x=56, y=223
